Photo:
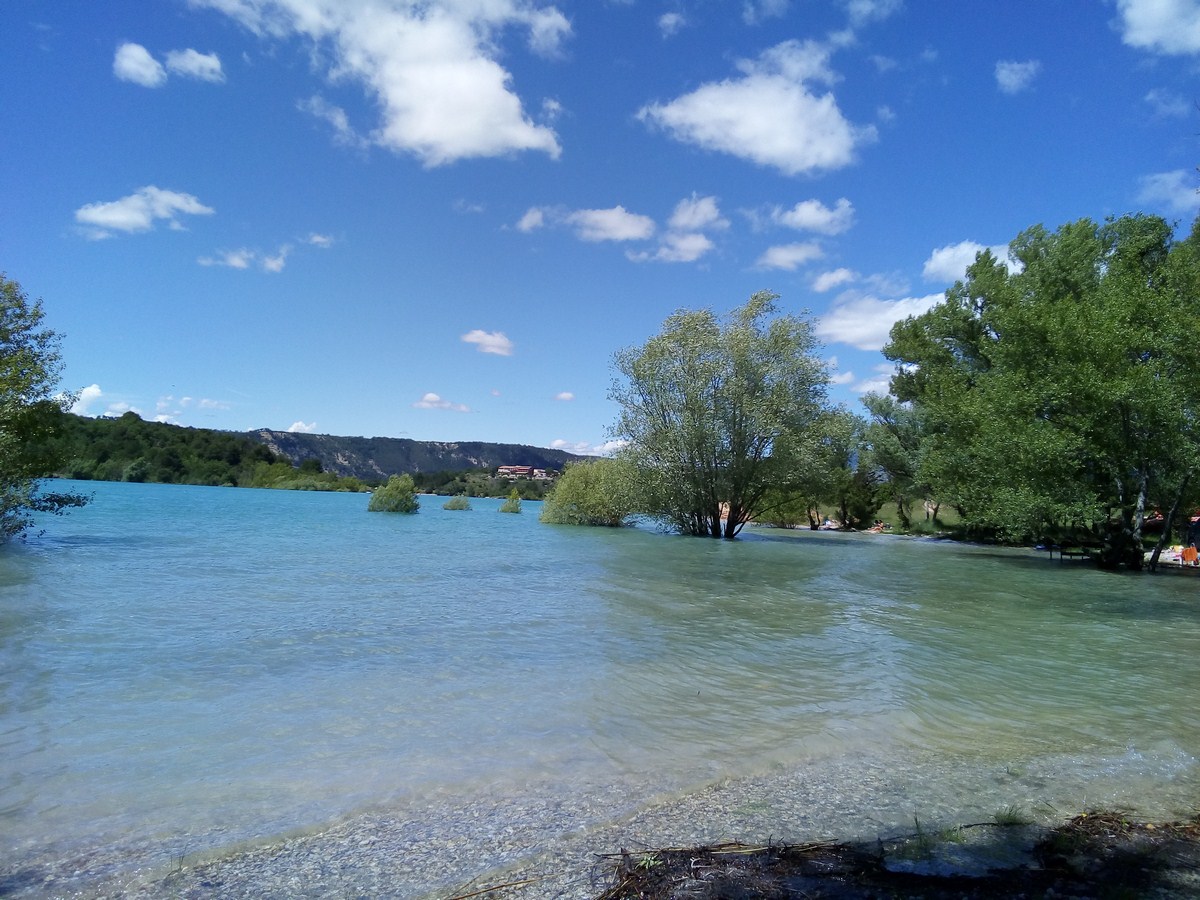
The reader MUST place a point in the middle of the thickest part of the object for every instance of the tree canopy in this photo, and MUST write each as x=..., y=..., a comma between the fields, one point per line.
x=30, y=414
x=593, y=492
x=399, y=495
x=704, y=404
x=1060, y=389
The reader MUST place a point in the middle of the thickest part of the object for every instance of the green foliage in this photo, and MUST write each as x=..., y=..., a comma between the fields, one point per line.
x=479, y=483
x=30, y=417
x=513, y=503
x=1063, y=393
x=457, y=502
x=398, y=495
x=595, y=492
x=704, y=404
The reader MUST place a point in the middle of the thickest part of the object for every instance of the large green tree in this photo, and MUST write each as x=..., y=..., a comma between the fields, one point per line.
x=704, y=404
x=30, y=413
x=1060, y=390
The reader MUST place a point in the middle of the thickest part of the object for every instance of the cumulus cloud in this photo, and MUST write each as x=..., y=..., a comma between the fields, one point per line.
x=489, y=342
x=194, y=64
x=616, y=224
x=87, y=396
x=813, y=215
x=1170, y=27
x=1014, y=77
x=827, y=281
x=564, y=395
x=863, y=321
x=770, y=115
x=301, y=427
x=949, y=263
x=433, y=401
x=133, y=63
x=533, y=219
x=138, y=212
x=790, y=256
x=1173, y=191
x=685, y=239
x=431, y=68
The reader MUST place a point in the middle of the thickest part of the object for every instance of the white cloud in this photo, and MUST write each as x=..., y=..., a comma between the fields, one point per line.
x=790, y=256
x=879, y=383
x=813, y=215
x=87, y=396
x=232, y=259
x=133, y=62
x=194, y=64
x=1174, y=191
x=685, y=240
x=489, y=342
x=586, y=448
x=1161, y=26
x=1014, y=77
x=697, y=214
x=323, y=241
x=670, y=23
x=949, y=263
x=863, y=321
x=564, y=395
x=276, y=263
x=533, y=219
x=431, y=68
x=863, y=12
x=827, y=281
x=433, y=401
x=616, y=224
x=138, y=212
x=301, y=427
x=769, y=115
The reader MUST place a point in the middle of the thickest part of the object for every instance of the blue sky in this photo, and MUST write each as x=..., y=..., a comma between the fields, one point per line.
x=439, y=220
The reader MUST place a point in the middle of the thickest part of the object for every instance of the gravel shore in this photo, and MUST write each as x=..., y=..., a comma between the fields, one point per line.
x=548, y=843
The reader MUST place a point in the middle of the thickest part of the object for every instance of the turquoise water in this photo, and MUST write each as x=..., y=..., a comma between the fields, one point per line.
x=186, y=667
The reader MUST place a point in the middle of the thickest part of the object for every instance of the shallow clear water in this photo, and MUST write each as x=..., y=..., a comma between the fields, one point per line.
x=230, y=664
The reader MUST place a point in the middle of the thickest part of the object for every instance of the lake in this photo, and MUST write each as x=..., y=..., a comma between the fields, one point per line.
x=187, y=670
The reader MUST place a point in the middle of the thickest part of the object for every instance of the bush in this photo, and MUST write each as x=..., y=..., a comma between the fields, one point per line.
x=598, y=492
x=513, y=503
x=398, y=495
x=459, y=501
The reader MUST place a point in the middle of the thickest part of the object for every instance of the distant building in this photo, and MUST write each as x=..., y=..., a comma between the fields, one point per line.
x=514, y=472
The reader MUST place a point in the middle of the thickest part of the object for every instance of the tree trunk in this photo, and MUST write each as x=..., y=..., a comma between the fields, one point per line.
x=1169, y=522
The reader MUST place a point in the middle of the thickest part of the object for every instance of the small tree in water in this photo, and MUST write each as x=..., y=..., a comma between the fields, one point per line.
x=457, y=502
x=398, y=495
x=513, y=503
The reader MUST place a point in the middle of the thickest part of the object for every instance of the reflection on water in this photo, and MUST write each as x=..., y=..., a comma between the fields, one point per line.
x=228, y=663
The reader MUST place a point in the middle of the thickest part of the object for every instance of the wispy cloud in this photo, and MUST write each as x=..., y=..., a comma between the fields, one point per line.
x=1013, y=77
x=790, y=256
x=138, y=212
x=815, y=216
x=687, y=236
x=565, y=396
x=1174, y=192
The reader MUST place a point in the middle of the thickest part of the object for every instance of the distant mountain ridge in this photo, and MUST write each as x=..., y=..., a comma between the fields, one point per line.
x=376, y=458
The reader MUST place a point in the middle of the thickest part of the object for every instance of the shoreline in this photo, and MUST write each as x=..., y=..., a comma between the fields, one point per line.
x=555, y=841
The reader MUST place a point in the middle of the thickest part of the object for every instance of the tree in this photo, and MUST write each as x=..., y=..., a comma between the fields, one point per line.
x=30, y=416
x=1060, y=392
x=594, y=492
x=399, y=495
x=894, y=436
x=513, y=503
x=703, y=405
x=457, y=503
